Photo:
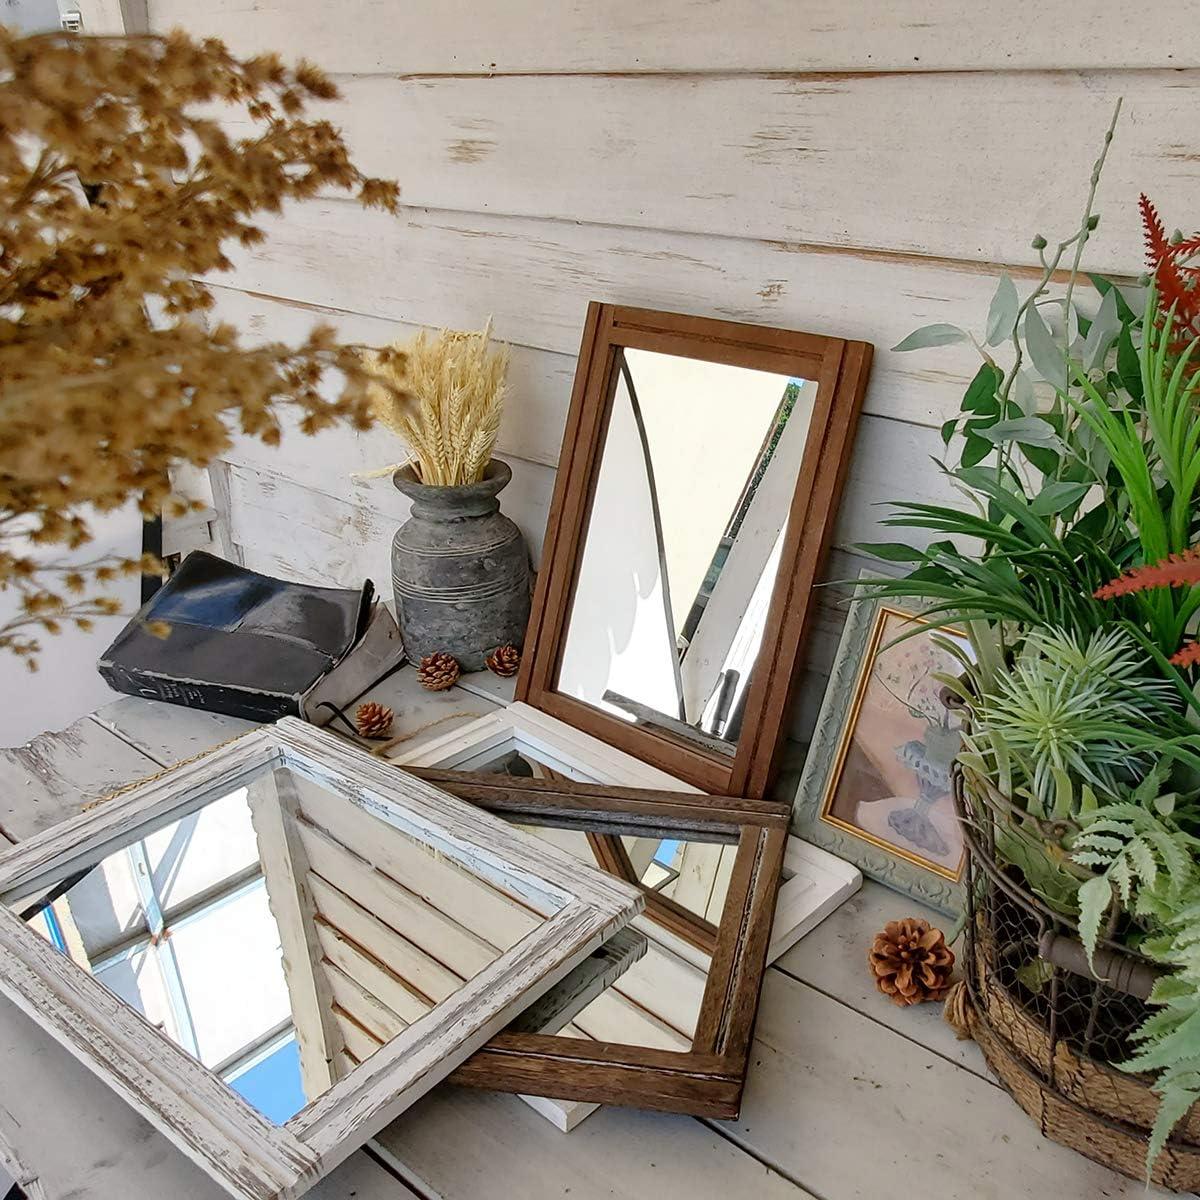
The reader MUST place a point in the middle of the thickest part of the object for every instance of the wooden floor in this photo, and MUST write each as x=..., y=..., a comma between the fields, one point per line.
x=847, y=1097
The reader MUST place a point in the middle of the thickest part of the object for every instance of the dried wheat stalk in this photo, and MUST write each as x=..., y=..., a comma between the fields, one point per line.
x=456, y=383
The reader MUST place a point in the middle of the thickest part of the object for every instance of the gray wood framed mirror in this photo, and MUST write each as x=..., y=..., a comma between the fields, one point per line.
x=701, y=469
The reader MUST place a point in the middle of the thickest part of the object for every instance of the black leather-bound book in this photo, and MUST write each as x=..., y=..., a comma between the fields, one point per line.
x=239, y=643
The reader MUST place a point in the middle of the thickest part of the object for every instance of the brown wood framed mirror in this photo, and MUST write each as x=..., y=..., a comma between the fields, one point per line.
x=700, y=474
x=674, y=1032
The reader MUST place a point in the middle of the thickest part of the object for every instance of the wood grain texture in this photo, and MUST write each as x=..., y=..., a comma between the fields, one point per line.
x=535, y=277
x=686, y=35
x=273, y=807
x=360, y=516
x=531, y=429
x=832, y=958
x=791, y=159
x=51, y=777
x=668, y=813
x=77, y=1143
x=901, y=1105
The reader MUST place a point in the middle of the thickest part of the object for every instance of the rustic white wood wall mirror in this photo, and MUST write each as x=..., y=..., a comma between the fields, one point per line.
x=222, y=945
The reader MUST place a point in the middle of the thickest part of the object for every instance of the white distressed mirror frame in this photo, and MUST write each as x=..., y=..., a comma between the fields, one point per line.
x=249, y=1156
x=814, y=882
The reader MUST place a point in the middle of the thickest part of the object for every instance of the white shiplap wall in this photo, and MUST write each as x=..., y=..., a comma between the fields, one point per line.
x=857, y=167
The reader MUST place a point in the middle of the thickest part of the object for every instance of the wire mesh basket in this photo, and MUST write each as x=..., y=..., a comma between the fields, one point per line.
x=1050, y=1029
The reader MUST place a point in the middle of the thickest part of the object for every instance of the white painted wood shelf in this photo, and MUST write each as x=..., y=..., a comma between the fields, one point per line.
x=848, y=1096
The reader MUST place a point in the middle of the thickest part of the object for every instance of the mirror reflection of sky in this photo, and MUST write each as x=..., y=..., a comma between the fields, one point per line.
x=273, y=1085
x=168, y=922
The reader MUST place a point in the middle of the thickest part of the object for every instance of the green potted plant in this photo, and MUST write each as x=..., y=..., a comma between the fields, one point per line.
x=1071, y=563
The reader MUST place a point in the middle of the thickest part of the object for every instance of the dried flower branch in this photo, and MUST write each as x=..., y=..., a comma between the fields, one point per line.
x=456, y=381
x=119, y=190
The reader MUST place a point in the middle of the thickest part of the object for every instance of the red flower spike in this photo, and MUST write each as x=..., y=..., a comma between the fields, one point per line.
x=1189, y=656
x=1176, y=570
x=1174, y=287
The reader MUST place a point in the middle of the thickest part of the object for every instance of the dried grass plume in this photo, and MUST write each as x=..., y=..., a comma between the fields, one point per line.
x=119, y=191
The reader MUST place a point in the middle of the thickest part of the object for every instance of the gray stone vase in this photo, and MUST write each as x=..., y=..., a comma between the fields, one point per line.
x=460, y=570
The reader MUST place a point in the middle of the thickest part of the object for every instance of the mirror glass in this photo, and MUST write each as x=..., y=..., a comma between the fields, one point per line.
x=681, y=549
x=656, y=1002
x=281, y=934
x=694, y=874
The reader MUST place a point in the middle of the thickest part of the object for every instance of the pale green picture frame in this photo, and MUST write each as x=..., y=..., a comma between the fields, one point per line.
x=858, y=650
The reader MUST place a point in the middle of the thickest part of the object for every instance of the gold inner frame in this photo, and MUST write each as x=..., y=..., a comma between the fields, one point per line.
x=847, y=735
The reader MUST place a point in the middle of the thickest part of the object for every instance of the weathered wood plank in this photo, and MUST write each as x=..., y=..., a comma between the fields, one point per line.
x=78, y=1143
x=535, y=278
x=474, y=1144
x=457, y=36
x=357, y=514
x=841, y=1104
x=791, y=159
x=167, y=733
x=833, y=957
x=54, y=775
x=288, y=529
x=539, y=388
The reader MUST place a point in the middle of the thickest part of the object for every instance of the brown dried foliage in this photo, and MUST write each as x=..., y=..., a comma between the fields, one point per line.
x=119, y=189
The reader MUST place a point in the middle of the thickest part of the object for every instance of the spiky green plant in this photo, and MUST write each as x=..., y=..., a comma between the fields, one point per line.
x=1072, y=566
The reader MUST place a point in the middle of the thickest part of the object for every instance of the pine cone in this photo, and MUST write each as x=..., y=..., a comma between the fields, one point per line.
x=504, y=660
x=911, y=962
x=438, y=672
x=373, y=720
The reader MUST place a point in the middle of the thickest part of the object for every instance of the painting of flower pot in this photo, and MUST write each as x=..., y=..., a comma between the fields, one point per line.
x=890, y=782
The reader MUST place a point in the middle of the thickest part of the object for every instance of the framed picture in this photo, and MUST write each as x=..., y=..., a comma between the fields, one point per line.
x=876, y=787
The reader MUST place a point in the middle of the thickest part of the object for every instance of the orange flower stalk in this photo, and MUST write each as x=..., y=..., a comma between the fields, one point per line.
x=1178, y=284
x=1189, y=656
x=1176, y=570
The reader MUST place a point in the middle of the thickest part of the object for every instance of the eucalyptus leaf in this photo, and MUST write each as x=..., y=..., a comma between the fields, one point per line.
x=932, y=335
x=1030, y=431
x=1022, y=394
x=1002, y=316
x=1057, y=496
x=980, y=397
x=1047, y=357
x=1105, y=287
x=891, y=551
x=1103, y=332
x=1129, y=365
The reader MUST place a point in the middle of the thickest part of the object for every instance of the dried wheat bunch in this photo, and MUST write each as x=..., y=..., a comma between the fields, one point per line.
x=118, y=190
x=444, y=395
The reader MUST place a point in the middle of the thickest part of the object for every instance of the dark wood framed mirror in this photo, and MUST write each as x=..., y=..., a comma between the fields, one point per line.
x=701, y=469
x=674, y=1032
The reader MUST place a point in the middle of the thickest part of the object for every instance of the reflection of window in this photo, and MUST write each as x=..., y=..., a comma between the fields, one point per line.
x=770, y=442
x=178, y=925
